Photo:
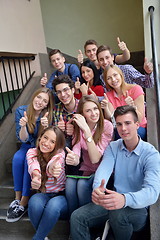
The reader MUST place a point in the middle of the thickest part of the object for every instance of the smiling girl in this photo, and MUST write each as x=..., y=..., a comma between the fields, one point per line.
x=91, y=137
x=46, y=167
x=29, y=120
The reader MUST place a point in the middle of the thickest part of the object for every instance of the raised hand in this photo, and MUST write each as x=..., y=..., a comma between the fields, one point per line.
x=80, y=56
x=36, y=179
x=44, y=80
x=80, y=121
x=71, y=158
x=129, y=100
x=98, y=191
x=84, y=88
x=104, y=102
x=23, y=121
x=121, y=45
x=148, y=66
x=61, y=123
x=77, y=84
x=69, y=127
x=44, y=120
x=92, y=93
x=55, y=168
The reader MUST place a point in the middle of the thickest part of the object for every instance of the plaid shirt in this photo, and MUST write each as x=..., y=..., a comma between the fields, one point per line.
x=133, y=76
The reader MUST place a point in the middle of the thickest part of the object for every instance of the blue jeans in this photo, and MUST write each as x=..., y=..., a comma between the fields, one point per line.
x=78, y=192
x=44, y=210
x=21, y=177
x=123, y=221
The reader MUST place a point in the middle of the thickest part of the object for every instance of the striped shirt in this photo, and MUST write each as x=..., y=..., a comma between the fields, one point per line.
x=51, y=184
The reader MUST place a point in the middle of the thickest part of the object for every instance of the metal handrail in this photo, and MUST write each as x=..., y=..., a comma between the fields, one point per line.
x=155, y=71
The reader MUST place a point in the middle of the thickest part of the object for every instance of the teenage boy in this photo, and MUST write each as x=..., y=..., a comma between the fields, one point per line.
x=58, y=62
x=136, y=167
x=131, y=75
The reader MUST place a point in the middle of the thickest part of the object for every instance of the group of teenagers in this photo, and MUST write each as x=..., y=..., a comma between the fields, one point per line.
x=84, y=148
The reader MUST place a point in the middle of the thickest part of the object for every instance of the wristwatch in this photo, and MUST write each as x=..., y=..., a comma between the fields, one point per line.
x=89, y=139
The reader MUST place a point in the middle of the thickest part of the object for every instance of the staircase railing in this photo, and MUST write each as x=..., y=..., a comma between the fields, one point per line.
x=155, y=71
x=15, y=73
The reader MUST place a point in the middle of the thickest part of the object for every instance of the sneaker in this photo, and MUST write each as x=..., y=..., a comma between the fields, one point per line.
x=46, y=238
x=16, y=214
x=13, y=205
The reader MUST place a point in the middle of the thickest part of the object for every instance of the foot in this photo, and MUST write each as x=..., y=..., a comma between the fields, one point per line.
x=12, y=206
x=16, y=214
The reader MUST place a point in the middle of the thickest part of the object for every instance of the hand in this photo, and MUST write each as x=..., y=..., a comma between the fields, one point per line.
x=148, y=66
x=61, y=123
x=36, y=179
x=77, y=84
x=71, y=158
x=44, y=120
x=93, y=93
x=98, y=191
x=84, y=88
x=81, y=122
x=104, y=102
x=69, y=127
x=80, y=56
x=55, y=168
x=129, y=100
x=121, y=45
x=23, y=121
x=44, y=80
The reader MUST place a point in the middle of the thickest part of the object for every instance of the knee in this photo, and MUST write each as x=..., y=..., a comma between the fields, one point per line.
x=77, y=217
x=117, y=217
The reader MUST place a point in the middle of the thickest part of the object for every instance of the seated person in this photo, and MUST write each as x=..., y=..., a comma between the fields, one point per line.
x=122, y=93
x=92, y=135
x=58, y=61
x=89, y=80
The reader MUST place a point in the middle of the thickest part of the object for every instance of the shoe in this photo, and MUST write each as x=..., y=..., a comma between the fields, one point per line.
x=46, y=238
x=16, y=214
x=13, y=205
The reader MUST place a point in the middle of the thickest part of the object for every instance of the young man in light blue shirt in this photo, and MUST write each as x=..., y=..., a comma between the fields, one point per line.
x=136, y=167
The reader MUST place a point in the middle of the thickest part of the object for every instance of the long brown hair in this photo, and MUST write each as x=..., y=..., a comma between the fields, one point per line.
x=124, y=86
x=31, y=112
x=100, y=124
x=59, y=145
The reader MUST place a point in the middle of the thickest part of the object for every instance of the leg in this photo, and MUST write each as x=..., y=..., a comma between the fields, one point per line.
x=86, y=217
x=71, y=194
x=127, y=220
x=84, y=189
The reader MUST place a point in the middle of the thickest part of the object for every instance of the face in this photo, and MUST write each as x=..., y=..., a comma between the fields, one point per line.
x=57, y=61
x=114, y=79
x=87, y=73
x=65, y=93
x=91, y=112
x=105, y=59
x=90, y=52
x=47, y=142
x=40, y=101
x=126, y=127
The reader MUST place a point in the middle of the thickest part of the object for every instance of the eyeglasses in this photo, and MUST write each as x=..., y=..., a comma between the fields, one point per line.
x=64, y=90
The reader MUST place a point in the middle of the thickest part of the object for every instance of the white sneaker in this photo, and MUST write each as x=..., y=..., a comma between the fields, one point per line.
x=46, y=238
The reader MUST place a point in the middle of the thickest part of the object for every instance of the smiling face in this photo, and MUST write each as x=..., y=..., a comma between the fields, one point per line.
x=40, y=101
x=87, y=73
x=91, y=113
x=105, y=58
x=57, y=61
x=47, y=142
x=90, y=52
x=113, y=78
x=65, y=93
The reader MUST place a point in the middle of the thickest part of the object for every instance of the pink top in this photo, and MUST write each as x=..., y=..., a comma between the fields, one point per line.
x=51, y=184
x=87, y=166
x=134, y=93
x=98, y=89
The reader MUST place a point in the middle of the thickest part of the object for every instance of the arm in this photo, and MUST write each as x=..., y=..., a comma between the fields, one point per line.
x=107, y=107
x=50, y=81
x=32, y=161
x=125, y=56
x=74, y=72
x=55, y=166
x=21, y=124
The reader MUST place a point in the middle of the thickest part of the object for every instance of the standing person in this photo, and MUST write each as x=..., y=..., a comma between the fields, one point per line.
x=58, y=62
x=46, y=166
x=29, y=119
x=92, y=135
x=136, y=166
x=131, y=75
x=90, y=79
x=122, y=93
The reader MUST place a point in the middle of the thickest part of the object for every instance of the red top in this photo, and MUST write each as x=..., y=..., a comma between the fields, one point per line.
x=99, y=91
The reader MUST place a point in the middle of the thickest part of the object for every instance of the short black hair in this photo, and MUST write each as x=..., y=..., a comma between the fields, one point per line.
x=55, y=51
x=62, y=79
x=124, y=110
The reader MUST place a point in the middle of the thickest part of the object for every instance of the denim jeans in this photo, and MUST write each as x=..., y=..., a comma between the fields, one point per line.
x=123, y=221
x=78, y=192
x=44, y=210
x=21, y=177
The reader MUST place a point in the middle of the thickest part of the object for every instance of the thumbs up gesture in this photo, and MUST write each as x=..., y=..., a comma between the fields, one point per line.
x=148, y=66
x=71, y=158
x=23, y=121
x=84, y=88
x=80, y=56
x=129, y=100
x=98, y=191
x=55, y=168
x=77, y=84
x=69, y=127
x=104, y=102
x=36, y=179
x=121, y=45
x=44, y=80
x=61, y=123
x=44, y=120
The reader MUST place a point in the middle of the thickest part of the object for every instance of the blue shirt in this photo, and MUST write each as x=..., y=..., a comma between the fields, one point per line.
x=31, y=137
x=136, y=173
x=70, y=69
